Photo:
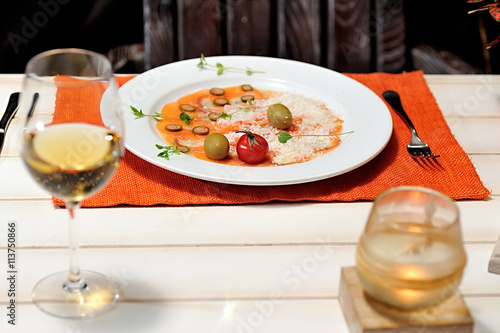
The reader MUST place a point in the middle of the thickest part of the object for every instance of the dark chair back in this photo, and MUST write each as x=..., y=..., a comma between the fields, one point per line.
x=345, y=35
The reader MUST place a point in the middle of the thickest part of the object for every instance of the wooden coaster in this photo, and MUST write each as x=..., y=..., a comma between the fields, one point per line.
x=365, y=315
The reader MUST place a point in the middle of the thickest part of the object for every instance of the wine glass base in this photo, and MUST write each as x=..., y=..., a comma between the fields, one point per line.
x=98, y=295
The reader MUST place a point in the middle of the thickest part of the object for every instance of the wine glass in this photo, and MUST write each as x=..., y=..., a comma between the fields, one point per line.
x=410, y=255
x=71, y=144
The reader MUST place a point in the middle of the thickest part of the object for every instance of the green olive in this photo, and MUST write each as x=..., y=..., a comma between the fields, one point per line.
x=216, y=146
x=200, y=130
x=217, y=91
x=173, y=127
x=246, y=87
x=247, y=98
x=220, y=101
x=187, y=107
x=213, y=116
x=279, y=116
x=182, y=149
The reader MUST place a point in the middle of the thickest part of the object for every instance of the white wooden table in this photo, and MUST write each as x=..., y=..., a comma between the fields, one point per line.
x=255, y=268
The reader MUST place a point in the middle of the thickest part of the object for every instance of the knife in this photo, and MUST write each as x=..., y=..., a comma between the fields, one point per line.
x=7, y=116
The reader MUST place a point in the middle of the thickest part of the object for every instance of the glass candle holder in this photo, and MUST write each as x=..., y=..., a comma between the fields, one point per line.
x=410, y=254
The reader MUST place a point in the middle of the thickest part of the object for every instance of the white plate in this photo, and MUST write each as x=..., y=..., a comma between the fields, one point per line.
x=361, y=109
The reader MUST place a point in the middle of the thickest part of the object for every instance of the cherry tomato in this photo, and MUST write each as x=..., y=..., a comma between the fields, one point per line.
x=251, y=148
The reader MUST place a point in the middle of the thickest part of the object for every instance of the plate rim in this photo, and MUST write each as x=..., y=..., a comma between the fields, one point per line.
x=227, y=174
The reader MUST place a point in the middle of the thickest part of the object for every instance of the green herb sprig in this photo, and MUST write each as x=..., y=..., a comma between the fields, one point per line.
x=139, y=114
x=221, y=68
x=285, y=136
x=166, y=151
x=186, y=118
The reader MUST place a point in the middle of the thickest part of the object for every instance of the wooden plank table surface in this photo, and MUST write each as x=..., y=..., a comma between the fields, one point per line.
x=251, y=268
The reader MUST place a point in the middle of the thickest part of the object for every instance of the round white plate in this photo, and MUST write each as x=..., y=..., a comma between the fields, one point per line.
x=362, y=111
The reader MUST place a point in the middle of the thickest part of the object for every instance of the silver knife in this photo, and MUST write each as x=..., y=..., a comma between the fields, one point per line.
x=7, y=116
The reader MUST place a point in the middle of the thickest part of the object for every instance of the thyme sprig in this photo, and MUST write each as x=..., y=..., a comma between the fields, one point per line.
x=186, y=118
x=166, y=151
x=221, y=68
x=139, y=114
x=285, y=136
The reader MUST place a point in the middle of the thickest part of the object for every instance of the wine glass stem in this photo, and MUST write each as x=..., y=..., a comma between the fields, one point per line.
x=75, y=283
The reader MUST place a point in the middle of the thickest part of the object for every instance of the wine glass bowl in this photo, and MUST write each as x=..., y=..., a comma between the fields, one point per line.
x=410, y=255
x=72, y=153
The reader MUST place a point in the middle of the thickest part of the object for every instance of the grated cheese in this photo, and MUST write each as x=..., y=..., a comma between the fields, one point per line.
x=310, y=116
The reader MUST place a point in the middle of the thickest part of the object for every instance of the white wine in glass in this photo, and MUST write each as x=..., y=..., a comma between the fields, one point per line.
x=410, y=255
x=72, y=153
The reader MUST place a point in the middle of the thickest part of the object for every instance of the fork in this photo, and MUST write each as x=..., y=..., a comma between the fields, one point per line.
x=416, y=147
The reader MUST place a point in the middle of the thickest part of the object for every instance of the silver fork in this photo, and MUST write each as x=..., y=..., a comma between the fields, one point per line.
x=416, y=147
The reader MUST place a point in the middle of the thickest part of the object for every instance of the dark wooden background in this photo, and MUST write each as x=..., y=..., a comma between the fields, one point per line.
x=437, y=36
x=345, y=35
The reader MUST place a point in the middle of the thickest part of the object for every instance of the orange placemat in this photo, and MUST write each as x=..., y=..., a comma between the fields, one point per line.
x=140, y=183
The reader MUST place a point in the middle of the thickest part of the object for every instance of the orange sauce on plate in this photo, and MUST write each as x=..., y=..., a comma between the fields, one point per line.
x=203, y=103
